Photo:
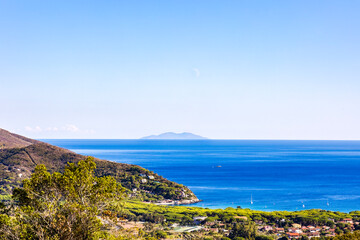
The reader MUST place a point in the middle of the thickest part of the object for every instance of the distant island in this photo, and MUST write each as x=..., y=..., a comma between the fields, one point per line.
x=172, y=135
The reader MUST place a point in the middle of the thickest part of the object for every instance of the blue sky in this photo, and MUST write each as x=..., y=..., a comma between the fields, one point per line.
x=222, y=69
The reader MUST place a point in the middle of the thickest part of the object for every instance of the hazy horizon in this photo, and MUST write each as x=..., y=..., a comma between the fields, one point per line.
x=261, y=69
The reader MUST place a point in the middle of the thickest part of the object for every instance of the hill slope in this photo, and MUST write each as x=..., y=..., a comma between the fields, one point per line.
x=19, y=156
x=11, y=140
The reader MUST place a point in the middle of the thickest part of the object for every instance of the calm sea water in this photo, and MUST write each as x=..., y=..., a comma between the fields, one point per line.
x=277, y=175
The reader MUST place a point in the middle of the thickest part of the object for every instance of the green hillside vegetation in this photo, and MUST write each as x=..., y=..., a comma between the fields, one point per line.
x=242, y=223
x=17, y=164
x=184, y=215
x=68, y=205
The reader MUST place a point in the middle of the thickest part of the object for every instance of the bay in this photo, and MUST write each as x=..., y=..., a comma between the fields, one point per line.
x=275, y=174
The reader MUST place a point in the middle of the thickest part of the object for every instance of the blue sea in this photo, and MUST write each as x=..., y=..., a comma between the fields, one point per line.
x=276, y=175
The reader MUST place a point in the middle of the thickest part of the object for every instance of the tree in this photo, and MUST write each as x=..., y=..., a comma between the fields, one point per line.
x=247, y=231
x=160, y=234
x=65, y=205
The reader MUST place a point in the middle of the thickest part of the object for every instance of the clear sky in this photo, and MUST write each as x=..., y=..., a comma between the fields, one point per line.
x=222, y=69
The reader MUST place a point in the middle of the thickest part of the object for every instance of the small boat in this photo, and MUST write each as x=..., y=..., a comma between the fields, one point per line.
x=251, y=201
x=218, y=166
x=327, y=202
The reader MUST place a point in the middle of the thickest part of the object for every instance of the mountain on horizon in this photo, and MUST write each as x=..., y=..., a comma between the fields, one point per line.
x=172, y=135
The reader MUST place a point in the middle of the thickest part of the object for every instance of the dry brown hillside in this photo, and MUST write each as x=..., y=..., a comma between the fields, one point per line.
x=12, y=140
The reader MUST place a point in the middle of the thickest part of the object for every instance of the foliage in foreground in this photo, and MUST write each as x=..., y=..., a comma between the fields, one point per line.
x=61, y=205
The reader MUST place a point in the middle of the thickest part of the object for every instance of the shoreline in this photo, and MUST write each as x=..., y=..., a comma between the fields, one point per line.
x=169, y=202
x=191, y=202
x=188, y=203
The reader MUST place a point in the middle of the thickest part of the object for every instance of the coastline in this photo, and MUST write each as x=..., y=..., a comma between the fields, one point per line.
x=169, y=202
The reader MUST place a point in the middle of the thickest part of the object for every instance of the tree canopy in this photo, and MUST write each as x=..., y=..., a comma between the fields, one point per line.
x=68, y=205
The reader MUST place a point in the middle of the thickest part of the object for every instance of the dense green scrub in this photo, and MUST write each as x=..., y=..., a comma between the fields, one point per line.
x=243, y=223
x=182, y=214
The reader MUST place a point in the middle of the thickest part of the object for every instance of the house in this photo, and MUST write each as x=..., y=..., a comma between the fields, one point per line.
x=304, y=228
x=348, y=220
x=143, y=180
x=311, y=228
x=151, y=177
x=293, y=235
x=313, y=234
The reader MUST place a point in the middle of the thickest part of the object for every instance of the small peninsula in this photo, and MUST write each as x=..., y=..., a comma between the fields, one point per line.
x=175, y=136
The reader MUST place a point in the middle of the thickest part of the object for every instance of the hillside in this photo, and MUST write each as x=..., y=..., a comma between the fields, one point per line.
x=19, y=156
x=11, y=140
x=174, y=136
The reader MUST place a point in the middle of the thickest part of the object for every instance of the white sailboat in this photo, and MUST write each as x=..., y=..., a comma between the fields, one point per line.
x=327, y=202
x=251, y=201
